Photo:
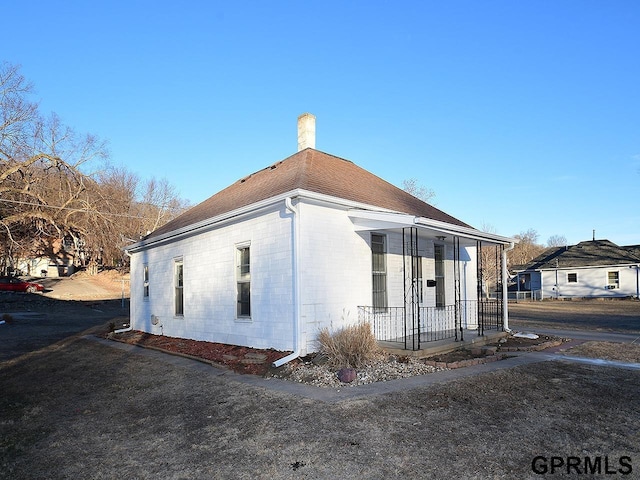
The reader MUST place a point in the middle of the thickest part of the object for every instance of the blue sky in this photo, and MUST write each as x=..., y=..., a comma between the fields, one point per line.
x=517, y=114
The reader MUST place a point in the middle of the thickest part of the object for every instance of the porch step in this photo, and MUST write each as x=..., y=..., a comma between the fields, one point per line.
x=443, y=346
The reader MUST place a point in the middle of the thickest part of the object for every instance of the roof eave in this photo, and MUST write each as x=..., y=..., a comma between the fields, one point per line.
x=371, y=220
x=357, y=209
x=574, y=267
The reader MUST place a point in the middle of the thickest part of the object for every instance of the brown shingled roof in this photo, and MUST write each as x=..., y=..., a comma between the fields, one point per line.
x=315, y=171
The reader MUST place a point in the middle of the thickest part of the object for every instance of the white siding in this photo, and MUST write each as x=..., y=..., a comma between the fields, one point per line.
x=591, y=282
x=210, y=285
x=335, y=278
x=335, y=270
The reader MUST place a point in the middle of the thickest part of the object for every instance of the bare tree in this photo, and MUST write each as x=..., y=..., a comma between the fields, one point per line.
x=419, y=191
x=16, y=112
x=159, y=203
x=557, y=241
x=490, y=261
x=47, y=196
x=526, y=249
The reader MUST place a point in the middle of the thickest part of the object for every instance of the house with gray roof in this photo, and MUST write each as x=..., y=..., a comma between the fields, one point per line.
x=309, y=242
x=596, y=268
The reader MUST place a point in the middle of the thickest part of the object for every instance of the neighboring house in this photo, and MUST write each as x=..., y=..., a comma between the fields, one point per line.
x=58, y=261
x=309, y=242
x=597, y=268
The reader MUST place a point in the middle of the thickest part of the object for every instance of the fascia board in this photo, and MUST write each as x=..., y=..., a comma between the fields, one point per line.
x=210, y=223
x=398, y=220
x=242, y=212
x=464, y=231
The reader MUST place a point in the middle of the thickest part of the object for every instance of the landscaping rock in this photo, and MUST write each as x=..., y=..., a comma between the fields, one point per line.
x=347, y=375
x=489, y=350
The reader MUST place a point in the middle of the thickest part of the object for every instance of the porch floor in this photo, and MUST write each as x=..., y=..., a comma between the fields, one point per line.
x=428, y=349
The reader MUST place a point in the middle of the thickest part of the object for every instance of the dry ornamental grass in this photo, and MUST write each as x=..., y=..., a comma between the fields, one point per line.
x=350, y=347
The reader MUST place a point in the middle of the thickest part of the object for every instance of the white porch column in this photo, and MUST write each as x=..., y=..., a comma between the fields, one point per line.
x=505, y=293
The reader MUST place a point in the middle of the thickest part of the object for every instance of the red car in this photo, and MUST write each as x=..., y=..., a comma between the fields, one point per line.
x=13, y=284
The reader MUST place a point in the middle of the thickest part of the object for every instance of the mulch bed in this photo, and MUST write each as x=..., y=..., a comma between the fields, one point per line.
x=253, y=361
x=239, y=359
x=518, y=344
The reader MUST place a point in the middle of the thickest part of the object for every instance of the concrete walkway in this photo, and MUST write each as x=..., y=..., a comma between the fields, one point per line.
x=331, y=395
x=586, y=335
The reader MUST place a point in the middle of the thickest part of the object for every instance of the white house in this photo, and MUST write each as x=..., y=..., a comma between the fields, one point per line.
x=597, y=268
x=308, y=242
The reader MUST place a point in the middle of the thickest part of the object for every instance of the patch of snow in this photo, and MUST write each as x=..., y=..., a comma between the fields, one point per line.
x=531, y=336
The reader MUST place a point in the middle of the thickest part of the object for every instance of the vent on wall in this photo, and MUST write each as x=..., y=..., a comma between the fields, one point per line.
x=155, y=321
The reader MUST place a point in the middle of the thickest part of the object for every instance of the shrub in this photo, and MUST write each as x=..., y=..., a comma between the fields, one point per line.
x=351, y=346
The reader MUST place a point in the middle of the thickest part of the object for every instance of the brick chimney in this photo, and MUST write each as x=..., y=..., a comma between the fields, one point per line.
x=306, y=131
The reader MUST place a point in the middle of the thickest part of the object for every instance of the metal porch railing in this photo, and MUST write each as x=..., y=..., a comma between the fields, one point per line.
x=392, y=325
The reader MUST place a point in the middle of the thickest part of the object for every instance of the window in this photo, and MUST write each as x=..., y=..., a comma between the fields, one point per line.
x=572, y=278
x=613, y=280
x=379, y=271
x=439, y=264
x=145, y=281
x=417, y=278
x=243, y=279
x=178, y=282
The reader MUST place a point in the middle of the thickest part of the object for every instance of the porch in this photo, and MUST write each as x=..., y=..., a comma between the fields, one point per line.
x=416, y=328
x=438, y=276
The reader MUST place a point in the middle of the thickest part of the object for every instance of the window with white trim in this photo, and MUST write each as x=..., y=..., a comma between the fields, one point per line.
x=243, y=280
x=417, y=279
x=613, y=279
x=379, y=271
x=438, y=254
x=145, y=281
x=178, y=282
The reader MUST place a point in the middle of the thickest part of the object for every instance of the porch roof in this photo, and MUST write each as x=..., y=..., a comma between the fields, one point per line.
x=367, y=220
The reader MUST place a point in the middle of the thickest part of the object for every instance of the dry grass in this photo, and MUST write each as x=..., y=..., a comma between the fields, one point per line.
x=618, y=352
x=352, y=346
x=92, y=411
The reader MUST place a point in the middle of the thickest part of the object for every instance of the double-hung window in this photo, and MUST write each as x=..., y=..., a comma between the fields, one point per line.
x=417, y=279
x=613, y=279
x=145, y=281
x=439, y=274
x=243, y=280
x=379, y=271
x=178, y=283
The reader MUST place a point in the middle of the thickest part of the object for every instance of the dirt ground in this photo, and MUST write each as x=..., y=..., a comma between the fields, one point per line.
x=82, y=409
